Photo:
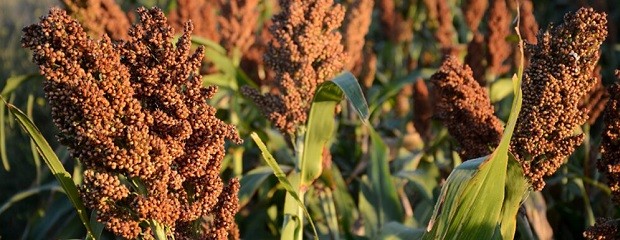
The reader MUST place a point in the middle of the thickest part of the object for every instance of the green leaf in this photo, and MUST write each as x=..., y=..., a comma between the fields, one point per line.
x=329, y=209
x=209, y=44
x=380, y=190
x=292, y=226
x=53, y=187
x=500, y=89
x=395, y=86
x=97, y=226
x=56, y=167
x=3, y=154
x=516, y=192
x=158, y=230
x=320, y=125
x=220, y=80
x=252, y=180
x=33, y=146
x=397, y=231
x=474, y=204
x=13, y=83
x=282, y=178
x=345, y=205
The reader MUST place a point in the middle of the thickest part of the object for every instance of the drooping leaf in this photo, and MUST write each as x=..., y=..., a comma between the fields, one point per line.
x=282, y=178
x=56, y=167
x=53, y=187
x=320, y=125
x=252, y=180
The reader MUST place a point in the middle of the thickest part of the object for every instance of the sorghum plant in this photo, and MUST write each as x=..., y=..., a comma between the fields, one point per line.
x=100, y=17
x=135, y=114
x=608, y=228
x=466, y=110
x=355, y=27
x=558, y=77
x=610, y=142
x=305, y=52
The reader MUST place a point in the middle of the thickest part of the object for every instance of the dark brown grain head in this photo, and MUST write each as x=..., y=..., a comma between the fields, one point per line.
x=558, y=77
x=610, y=141
x=237, y=23
x=464, y=107
x=134, y=110
x=603, y=229
x=499, y=50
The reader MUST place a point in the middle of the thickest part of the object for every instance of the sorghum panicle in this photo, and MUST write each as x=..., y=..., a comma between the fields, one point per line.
x=528, y=27
x=422, y=109
x=474, y=12
x=393, y=25
x=603, y=229
x=135, y=111
x=305, y=52
x=465, y=108
x=440, y=12
x=558, y=77
x=610, y=141
x=499, y=29
x=100, y=17
x=475, y=57
x=237, y=24
x=355, y=26
x=203, y=14
x=594, y=102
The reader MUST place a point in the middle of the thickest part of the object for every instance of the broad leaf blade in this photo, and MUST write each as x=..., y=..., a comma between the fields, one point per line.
x=320, y=125
x=56, y=167
x=479, y=199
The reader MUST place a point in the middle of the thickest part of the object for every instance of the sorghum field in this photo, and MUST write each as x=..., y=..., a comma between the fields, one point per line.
x=309, y=119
